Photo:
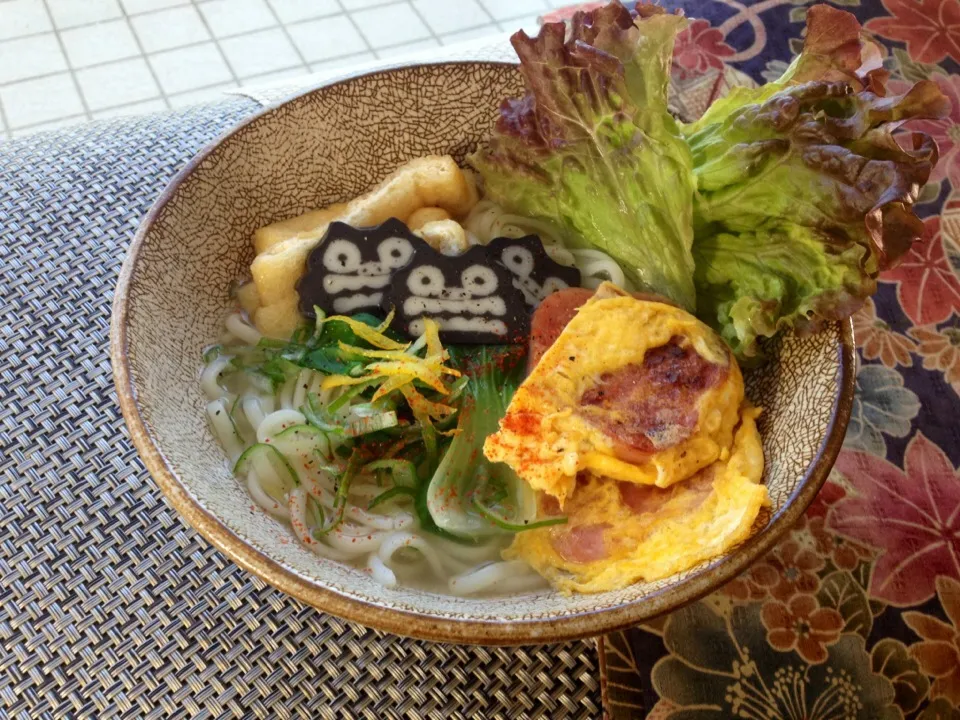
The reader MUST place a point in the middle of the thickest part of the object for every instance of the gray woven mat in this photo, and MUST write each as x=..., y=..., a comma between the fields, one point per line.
x=110, y=606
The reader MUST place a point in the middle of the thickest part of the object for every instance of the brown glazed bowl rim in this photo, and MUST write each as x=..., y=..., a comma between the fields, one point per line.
x=423, y=625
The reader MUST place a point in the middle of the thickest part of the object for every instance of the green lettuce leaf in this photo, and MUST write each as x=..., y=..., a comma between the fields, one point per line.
x=833, y=50
x=803, y=193
x=592, y=148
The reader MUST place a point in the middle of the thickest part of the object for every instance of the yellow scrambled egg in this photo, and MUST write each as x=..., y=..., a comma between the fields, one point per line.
x=619, y=533
x=653, y=432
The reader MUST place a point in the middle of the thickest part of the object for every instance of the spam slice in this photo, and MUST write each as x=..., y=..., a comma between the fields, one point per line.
x=618, y=533
x=555, y=311
x=632, y=390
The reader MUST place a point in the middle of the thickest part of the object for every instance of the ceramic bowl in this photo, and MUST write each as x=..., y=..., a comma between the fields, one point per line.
x=329, y=145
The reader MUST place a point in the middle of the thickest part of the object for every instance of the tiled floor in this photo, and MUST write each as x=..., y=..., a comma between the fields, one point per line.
x=66, y=61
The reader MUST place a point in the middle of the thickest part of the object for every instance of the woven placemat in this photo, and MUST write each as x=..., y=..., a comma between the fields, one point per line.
x=110, y=606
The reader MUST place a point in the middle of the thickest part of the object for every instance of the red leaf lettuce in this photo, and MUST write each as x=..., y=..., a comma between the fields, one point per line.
x=592, y=148
x=803, y=193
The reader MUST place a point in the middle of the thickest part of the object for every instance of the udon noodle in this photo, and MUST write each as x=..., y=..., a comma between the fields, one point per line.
x=386, y=541
x=245, y=409
x=487, y=221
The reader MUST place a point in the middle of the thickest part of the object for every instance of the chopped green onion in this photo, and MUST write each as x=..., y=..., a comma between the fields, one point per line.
x=324, y=466
x=403, y=471
x=316, y=416
x=429, y=434
x=343, y=489
x=212, y=353
x=274, y=456
x=456, y=388
x=232, y=415
x=302, y=440
x=317, y=328
x=301, y=335
x=350, y=393
x=503, y=523
x=316, y=511
x=419, y=344
x=330, y=360
x=392, y=493
x=372, y=423
x=427, y=523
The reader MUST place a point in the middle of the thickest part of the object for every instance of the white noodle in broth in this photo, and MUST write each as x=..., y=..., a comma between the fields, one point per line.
x=487, y=220
x=386, y=540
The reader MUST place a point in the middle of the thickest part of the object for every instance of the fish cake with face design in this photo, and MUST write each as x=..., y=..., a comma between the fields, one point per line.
x=470, y=296
x=349, y=270
x=535, y=273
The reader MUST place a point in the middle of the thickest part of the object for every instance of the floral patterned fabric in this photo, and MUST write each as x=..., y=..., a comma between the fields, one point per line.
x=856, y=612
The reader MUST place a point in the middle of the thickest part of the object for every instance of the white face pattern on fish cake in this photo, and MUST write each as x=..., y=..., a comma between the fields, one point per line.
x=471, y=297
x=350, y=268
x=535, y=273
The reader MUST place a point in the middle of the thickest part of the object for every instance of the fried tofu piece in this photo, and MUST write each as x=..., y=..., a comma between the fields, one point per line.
x=431, y=181
x=248, y=298
x=446, y=236
x=421, y=217
x=279, y=319
x=278, y=232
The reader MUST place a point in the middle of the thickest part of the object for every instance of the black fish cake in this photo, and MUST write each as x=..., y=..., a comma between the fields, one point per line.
x=471, y=297
x=535, y=273
x=348, y=271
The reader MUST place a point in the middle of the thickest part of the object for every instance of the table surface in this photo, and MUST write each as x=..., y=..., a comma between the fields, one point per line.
x=110, y=606
x=856, y=613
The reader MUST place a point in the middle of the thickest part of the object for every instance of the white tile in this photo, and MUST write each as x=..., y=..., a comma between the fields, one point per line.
x=203, y=95
x=29, y=57
x=140, y=108
x=70, y=13
x=170, y=28
x=40, y=100
x=134, y=7
x=444, y=16
x=326, y=38
x=23, y=17
x=471, y=34
x=99, y=43
x=52, y=125
x=344, y=62
x=118, y=83
x=360, y=4
x=402, y=51
x=530, y=23
x=259, y=52
x=275, y=77
x=390, y=25
x=190, y=68
x=231, y=17
x=507, y=9
x=290, y=11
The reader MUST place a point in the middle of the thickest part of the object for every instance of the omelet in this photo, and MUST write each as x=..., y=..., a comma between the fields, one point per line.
x=632, y=390
x=618, y=533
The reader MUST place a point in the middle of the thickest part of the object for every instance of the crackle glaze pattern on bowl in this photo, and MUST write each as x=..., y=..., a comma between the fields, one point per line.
x=329, y=145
